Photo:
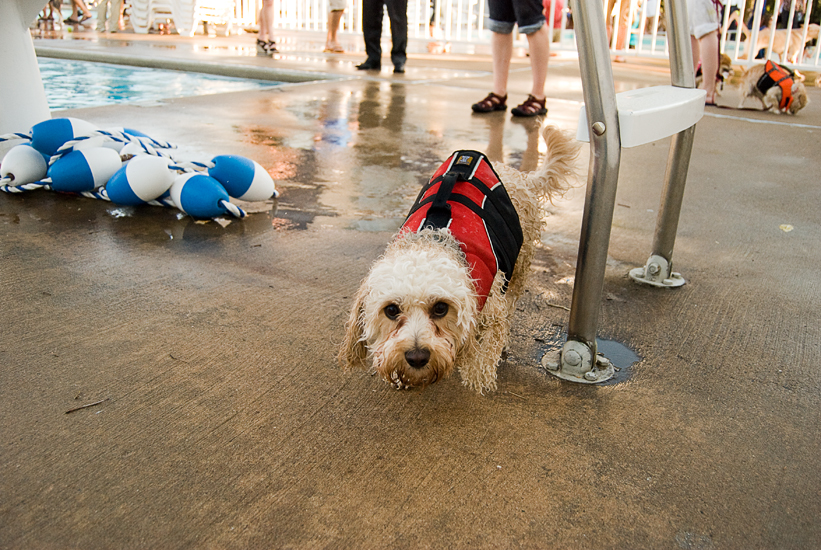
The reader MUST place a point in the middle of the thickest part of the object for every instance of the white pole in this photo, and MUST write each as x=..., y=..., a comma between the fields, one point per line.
x=22, y=97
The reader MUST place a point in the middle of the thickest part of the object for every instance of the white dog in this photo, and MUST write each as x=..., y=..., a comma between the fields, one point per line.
x=443, y=294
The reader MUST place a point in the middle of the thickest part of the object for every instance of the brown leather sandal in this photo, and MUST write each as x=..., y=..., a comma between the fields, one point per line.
x=493, y=102
x=530, y=107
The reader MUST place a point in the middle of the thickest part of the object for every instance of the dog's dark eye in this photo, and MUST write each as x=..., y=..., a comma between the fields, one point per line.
x=439, y=309
x=392, y=311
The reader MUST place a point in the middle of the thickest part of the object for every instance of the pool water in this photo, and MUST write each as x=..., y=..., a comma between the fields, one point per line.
x=77, y=84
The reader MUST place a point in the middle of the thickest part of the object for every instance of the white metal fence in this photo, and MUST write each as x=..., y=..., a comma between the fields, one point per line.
x=797, y=48
x=448, y=20
x=789, y=37
x=465, y=21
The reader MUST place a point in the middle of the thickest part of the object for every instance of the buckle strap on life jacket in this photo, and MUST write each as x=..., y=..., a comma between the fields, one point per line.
x=462, y=168
x=439, y=212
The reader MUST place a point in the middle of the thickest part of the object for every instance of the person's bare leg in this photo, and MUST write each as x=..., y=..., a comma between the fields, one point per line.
x=334, y=18
x=266, y=21
x=539, y=46
x=502, y=48
x=694, y=45
x=82, y=6
x=120, y=20
x=621, y=39
x=76, y=11
x=708, y=45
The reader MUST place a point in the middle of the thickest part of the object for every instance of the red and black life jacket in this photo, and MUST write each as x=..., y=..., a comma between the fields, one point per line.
x=466, y=196
x=776, y=75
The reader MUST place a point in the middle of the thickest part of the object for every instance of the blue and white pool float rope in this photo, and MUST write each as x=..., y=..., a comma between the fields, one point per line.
x=127, y=167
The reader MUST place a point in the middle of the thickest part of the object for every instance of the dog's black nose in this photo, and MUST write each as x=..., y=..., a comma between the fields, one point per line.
x=417, y=357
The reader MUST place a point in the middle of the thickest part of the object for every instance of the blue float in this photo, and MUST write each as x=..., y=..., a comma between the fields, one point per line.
x=48, y=136
x=243, y=178
x=143, y=178
x=201, y=196
x=81, y=171
x=133, y=132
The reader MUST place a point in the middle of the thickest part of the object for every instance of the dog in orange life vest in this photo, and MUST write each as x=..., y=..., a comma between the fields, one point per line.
x=775, y=87
x=442, y=296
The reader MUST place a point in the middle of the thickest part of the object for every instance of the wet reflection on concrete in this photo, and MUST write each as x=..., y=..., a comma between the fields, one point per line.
x=43, y=211
x=526, y=160
x=359, y=156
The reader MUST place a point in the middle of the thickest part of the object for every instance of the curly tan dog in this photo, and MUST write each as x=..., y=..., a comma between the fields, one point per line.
x=443, y=294
x=775, y=87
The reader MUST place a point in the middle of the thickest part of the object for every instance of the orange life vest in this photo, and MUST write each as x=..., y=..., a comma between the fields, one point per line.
x=776, y=75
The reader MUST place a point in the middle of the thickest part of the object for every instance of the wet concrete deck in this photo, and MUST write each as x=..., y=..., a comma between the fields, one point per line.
x=227, y=424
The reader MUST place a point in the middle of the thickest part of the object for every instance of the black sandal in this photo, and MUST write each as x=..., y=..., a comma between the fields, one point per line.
x=530, y=107
x=493, y=102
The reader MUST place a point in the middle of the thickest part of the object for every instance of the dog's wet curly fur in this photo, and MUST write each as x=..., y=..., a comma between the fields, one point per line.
x=416, y=317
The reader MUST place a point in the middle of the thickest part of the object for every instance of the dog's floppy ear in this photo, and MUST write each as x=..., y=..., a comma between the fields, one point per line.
x=354, y=353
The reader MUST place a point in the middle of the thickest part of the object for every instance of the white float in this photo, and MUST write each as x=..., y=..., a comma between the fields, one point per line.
x=23, y=164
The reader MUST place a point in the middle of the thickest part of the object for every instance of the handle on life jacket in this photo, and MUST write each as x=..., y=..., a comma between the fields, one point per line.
x=439, y=212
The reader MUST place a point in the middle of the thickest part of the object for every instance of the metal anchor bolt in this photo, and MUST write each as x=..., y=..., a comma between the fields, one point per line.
x=573, y=358
x=591, y=376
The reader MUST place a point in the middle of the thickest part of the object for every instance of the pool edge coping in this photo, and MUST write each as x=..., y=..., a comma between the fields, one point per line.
x=185, y=65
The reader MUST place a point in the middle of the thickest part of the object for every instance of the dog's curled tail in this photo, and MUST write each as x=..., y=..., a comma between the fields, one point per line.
x=557, y=172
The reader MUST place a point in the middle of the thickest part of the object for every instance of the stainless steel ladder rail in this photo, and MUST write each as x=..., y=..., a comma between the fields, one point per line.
x=658, y=270
x=578, y=360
